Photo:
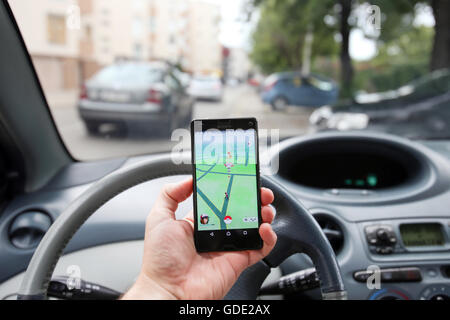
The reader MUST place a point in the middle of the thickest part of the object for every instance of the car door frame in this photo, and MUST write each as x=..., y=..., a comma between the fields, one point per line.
x=24, y=111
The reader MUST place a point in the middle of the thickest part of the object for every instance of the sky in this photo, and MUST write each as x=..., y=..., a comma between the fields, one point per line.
x=236, y=33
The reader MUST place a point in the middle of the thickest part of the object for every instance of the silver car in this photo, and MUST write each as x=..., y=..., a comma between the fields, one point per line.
x=136, y=97
x=205, y=87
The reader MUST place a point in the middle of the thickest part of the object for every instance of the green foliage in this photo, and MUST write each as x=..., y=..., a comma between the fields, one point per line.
x=403, y=49
x=396, y=17
x=280, y=34
x=398, y=61
x=388, y=78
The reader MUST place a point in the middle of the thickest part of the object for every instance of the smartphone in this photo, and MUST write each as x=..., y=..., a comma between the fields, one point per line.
x=227, y=204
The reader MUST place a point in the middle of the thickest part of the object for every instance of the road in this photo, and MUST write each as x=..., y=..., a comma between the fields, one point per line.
x=238, y=101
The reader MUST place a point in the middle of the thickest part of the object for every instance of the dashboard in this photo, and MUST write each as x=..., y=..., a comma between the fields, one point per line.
x=382, y=201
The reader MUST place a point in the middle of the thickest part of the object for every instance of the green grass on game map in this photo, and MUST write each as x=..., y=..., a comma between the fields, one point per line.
x=213, y=181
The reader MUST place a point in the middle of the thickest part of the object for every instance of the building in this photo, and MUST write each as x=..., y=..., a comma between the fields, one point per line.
x=239, y=64
x=69, y=40
x=186, y=32
x=204, y=48
x=53, y=47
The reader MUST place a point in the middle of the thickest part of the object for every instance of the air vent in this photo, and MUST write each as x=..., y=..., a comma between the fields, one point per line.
x=446, y=271
x=332, y=230
x=28, y=228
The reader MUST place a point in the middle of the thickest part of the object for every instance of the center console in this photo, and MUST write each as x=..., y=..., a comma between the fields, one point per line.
x=403, y=249
x=406, y=236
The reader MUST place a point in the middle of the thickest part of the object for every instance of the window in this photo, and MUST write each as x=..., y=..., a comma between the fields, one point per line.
x=134, y=74
x=56, y=29
x=137, y=50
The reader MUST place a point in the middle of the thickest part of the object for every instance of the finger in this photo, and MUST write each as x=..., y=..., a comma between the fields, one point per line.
x=266, y=196
x=172, y=194
x=269, y=238
x=267, y=214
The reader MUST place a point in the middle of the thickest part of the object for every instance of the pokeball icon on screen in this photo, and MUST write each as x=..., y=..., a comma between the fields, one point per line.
x=227, y=219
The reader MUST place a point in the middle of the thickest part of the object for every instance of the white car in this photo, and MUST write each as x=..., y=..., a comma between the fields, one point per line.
x=206, y=87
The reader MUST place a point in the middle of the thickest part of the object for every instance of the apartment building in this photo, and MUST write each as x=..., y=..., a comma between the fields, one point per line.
x=53, y=47
x=69, y=40
x=239, y=64
x=186, y=32
x=205, y=49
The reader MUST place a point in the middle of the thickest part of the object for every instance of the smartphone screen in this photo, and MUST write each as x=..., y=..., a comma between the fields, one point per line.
x=227, y=210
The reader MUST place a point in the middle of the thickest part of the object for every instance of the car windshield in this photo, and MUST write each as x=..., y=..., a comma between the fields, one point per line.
x=124, y=78
x=129, y=74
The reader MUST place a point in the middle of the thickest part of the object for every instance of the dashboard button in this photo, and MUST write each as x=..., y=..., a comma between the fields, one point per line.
x=387, y=250
x=382, y=234
x=432, y=273
x=436, y=292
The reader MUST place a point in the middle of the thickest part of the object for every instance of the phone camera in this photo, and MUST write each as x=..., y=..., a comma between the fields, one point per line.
x=250, y=123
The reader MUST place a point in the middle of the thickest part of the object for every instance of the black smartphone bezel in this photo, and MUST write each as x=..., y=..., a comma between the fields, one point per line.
x=234, y=239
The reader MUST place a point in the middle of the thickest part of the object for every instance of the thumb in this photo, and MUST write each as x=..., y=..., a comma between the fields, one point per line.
x=172, y=194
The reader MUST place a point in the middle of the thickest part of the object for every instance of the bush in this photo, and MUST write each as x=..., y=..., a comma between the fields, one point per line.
x=386, y=78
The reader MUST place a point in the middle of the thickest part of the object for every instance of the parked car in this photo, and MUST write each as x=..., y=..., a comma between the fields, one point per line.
x=293, y=88
x=206, y=87
x=416, y=109
x=136, y=96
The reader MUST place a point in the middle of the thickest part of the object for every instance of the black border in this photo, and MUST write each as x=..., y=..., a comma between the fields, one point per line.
x=224, y=124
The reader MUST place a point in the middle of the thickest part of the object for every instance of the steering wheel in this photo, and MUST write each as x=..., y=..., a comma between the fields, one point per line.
x=296, y=229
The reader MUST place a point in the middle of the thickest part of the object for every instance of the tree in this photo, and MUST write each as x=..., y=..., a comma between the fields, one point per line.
x=280, y=34
x=440, y=55
x=346, y=61
x=398, y=61
x=394, y=25
x=279, y=37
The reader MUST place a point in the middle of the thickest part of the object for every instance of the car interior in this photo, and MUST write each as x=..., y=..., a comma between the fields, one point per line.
x=348, y=205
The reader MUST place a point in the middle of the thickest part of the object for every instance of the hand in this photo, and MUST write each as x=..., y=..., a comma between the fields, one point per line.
x=173, y=269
